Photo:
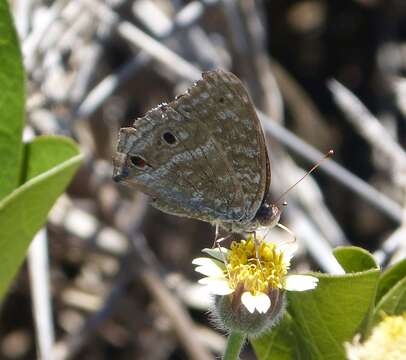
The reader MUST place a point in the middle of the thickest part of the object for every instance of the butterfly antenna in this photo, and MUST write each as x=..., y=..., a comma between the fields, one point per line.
x=325, y=157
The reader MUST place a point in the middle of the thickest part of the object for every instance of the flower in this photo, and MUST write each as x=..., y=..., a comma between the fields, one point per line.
x=387, y=341
x=253, y=279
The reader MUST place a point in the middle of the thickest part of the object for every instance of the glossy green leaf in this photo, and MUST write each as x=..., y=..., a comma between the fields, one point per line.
x=354, y=259
x=390, y=277
x=322, y=319
x=332, y=313
x=393, y=302
x=12, y=98
x=45, y=152
x=51, y=163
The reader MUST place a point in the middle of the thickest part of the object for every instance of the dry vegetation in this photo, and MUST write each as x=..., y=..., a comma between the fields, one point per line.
x=120, y=272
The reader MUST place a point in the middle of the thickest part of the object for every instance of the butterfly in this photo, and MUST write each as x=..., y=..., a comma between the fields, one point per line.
x=202, y=156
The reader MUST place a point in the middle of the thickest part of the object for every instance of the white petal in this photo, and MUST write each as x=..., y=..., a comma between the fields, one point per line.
x=217, y=286
x=212, y=271
x=263, y=302
x=289, y=250
x=260, y=301
x=249, y=301
x=209, y=267
x=202, y=261
x=300, y=282
x=216, y=253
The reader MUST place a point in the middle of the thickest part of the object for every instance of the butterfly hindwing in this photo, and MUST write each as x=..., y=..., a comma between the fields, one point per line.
x=202, y=155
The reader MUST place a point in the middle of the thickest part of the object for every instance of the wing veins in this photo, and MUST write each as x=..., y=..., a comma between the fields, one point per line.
x=260, y=138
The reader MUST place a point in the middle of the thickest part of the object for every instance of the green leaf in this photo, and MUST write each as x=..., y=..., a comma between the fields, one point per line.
x=12, y=99
x=390, y=277
x=332, y=313
x=216, y=253
x=279, y=343
x=354, y=259
x=51, y=164
x=393, y=302
x=45, y=152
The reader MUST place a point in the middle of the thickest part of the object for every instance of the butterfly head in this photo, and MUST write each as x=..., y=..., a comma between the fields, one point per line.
x=268, y=215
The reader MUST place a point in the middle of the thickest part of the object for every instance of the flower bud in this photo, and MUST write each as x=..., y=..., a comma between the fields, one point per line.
x=231, y=314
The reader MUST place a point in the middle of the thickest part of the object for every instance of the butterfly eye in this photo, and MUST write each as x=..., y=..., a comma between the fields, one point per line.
x=169, y=138
x=138, y=161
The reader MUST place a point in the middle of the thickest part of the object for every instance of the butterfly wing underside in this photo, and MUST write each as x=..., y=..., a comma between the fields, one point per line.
x=202, y=155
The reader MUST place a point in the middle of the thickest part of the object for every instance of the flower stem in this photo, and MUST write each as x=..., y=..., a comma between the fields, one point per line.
x=234, y=345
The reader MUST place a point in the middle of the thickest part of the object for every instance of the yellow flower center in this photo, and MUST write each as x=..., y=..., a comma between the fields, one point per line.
x=256, y=275
x=387, y=341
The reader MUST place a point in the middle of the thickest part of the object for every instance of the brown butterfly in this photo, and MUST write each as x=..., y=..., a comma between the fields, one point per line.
x=202, y=156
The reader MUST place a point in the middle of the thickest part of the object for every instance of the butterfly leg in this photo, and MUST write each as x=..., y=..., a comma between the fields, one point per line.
x=217, y=242
x=216, y=236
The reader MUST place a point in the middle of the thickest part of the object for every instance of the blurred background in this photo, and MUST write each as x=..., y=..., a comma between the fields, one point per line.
x=324, y=74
